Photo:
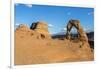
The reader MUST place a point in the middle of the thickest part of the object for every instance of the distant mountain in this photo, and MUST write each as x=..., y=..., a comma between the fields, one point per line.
x=74, y=36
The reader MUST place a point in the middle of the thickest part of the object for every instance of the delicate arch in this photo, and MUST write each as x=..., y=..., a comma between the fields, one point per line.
x=81, y=34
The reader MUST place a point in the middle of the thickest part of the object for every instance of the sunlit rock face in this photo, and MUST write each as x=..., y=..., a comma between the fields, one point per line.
x=42, y=28
x=34, y=45
x=81, y=34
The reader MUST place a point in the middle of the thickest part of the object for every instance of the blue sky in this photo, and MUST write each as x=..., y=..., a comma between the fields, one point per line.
x=56, y=17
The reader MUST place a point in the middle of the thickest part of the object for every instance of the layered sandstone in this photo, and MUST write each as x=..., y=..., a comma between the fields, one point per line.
x=41, y=28
x=34, y=45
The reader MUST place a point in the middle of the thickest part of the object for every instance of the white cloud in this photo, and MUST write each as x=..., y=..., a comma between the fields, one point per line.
x=50, y=25
x=28, y=5
x=90, y=13
x=17, y=24
x=64, y=29
x=87, y=29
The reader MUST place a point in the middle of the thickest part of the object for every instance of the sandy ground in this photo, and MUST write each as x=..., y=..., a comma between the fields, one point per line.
x=30, y=50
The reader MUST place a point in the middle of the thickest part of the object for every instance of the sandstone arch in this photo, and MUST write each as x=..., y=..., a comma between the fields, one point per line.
x=81, y=34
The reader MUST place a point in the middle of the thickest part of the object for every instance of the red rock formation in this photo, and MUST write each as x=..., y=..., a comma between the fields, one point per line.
x=42, y=28
x=81, y=34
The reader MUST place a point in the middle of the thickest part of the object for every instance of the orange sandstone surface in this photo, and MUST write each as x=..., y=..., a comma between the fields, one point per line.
x=35, y=46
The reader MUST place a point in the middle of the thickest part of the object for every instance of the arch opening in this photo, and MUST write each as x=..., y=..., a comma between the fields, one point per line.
x=81, y=35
